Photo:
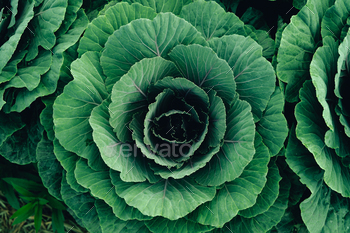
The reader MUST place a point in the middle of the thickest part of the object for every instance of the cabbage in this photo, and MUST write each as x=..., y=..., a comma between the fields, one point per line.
x=172, y=123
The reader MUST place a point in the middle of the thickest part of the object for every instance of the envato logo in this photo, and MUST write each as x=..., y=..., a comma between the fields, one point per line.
x=170, y=150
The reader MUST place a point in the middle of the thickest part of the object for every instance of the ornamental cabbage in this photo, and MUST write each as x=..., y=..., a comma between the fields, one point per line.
x=37, y=45
x=321, y=157
x=171, y=124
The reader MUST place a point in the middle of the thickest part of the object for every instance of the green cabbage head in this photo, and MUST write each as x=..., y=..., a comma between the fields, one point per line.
x=170, y=124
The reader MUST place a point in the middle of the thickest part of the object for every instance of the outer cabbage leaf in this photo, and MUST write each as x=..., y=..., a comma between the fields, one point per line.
x=9, y=47
x=78, y=99
x=169, y=198
x=100, y=185
x=20, y=147
x=45, y=23
x=46, y=118
x=10, y=70
x=48, y=82
x=266, y=42
x=173, y=6
x=204, y=68
x=299, y=41
x=14, y=11
x=341, y=84
x=262, y=222
x=273, y=125
x=102, y=27
x=324, y=210
x=311, y=130
x=280, y=27
x=183, y=225
x=299, y=3
x=143, y=38
x=211, y=20
x=323, y=69
x=238, y=194
x=50, y=170
x=110, y=223
x=9, y=124
x=268, y=195
x=302, y=162
x=255, y=18
x=82, y=205
x=68, y=160
x=334, y=22
x=71, y=15
x=253, y=74
x=29, y=77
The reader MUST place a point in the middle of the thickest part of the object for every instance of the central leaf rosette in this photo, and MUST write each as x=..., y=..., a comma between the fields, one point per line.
x=169, y=117
x=174, y=126
x=169, y=121
x=176, y=117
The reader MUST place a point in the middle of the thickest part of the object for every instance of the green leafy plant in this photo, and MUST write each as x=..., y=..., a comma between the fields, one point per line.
x=38, y=42
x=36, y=39
x=28, y=198
x=321, y=157
x=170, y=124
x=37, y=196
x=21, y=186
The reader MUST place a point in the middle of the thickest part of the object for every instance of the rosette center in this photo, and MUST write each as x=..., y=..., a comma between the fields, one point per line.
x=173, y=125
